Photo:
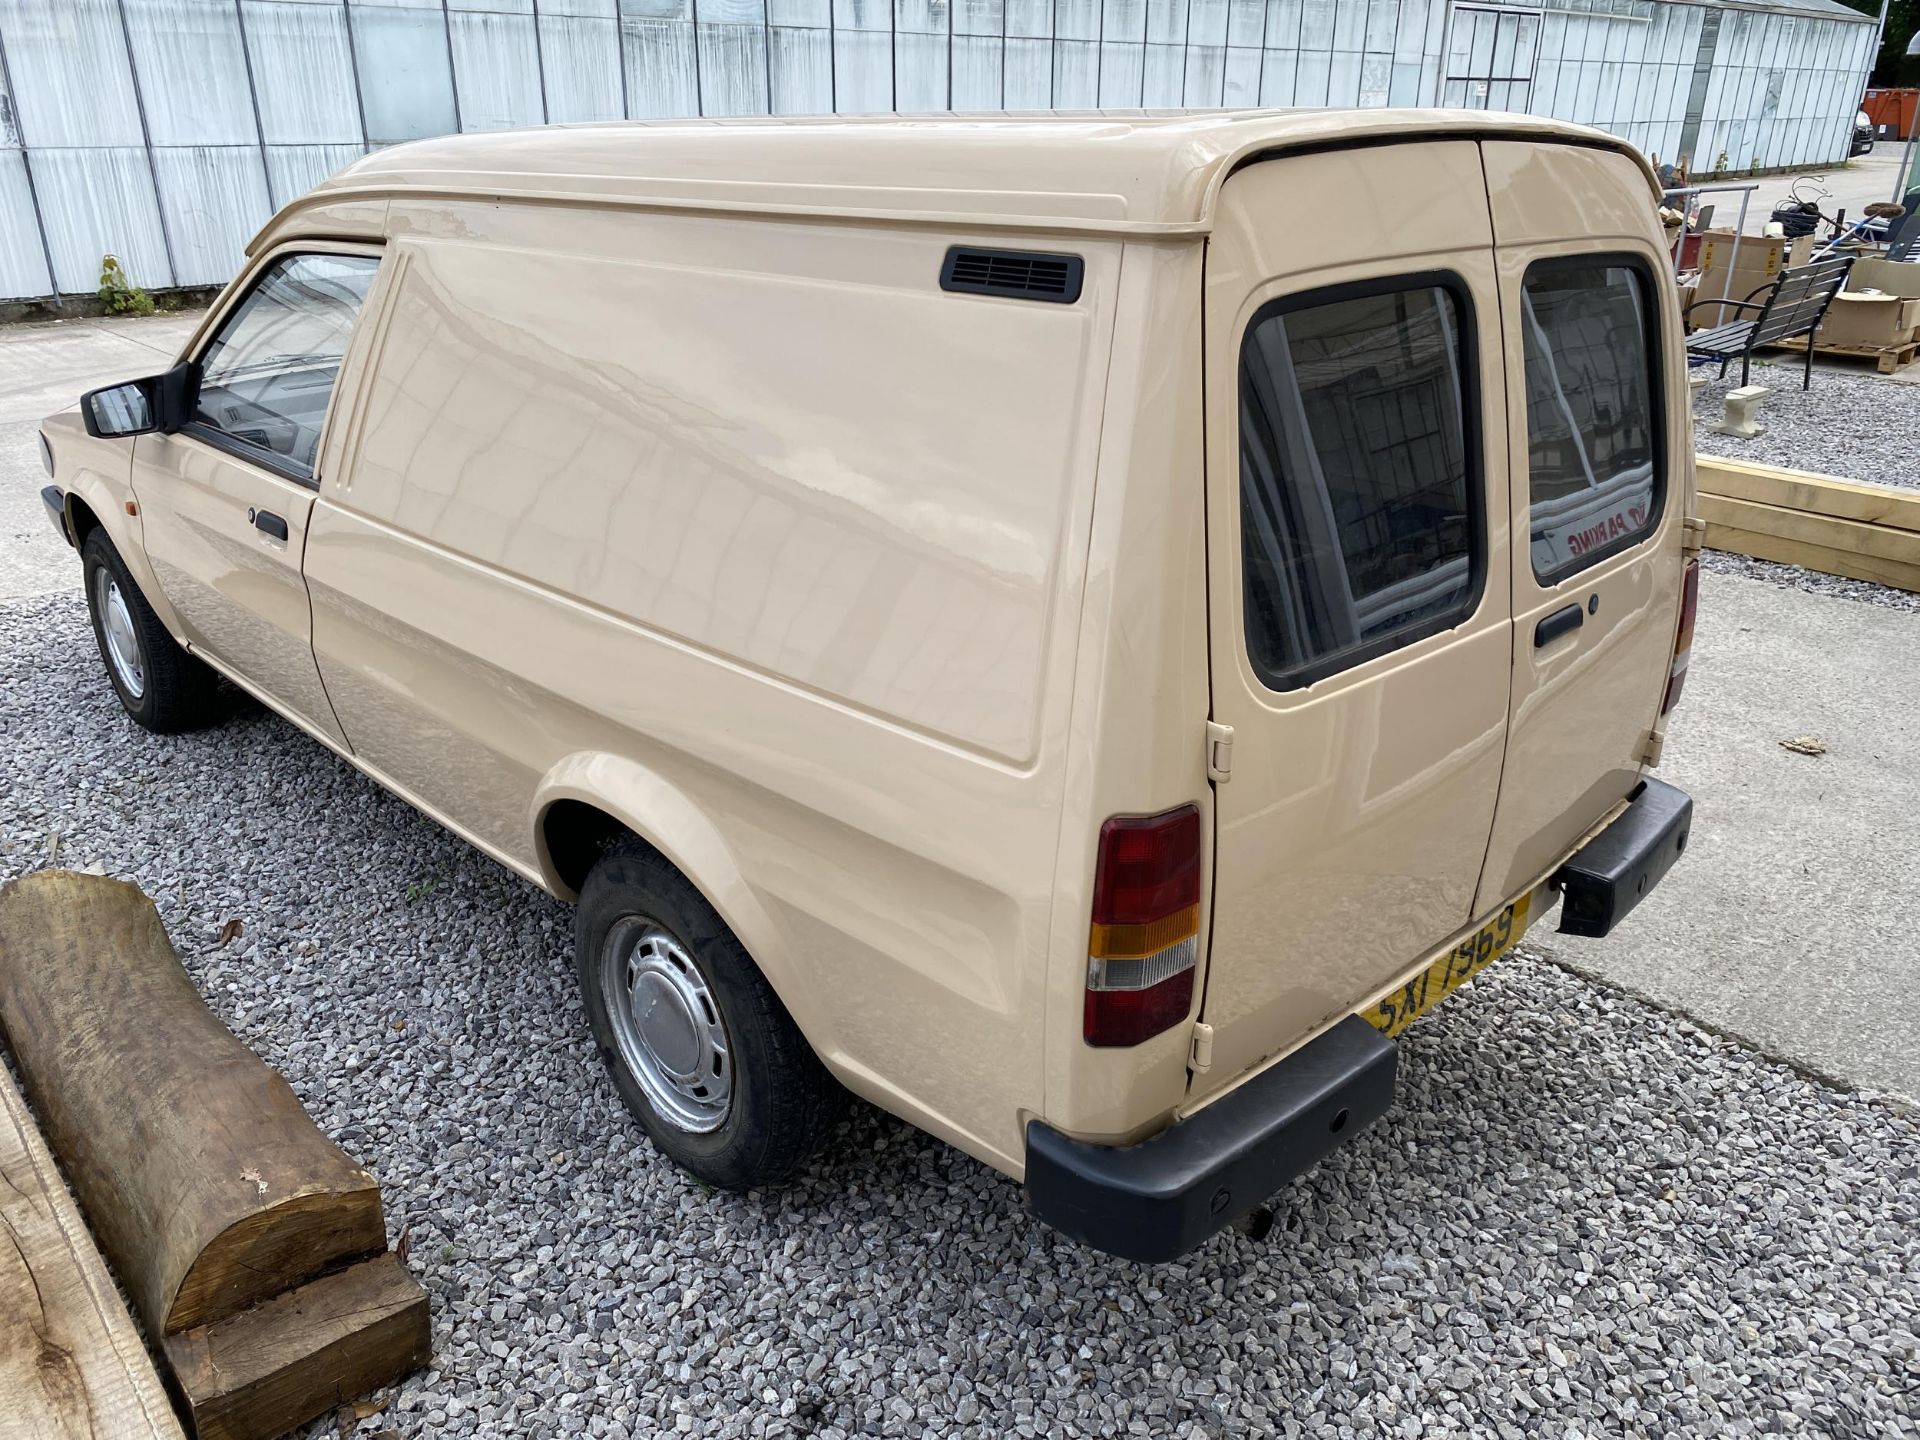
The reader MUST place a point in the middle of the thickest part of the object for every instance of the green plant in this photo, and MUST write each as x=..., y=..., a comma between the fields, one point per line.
x=119, y=294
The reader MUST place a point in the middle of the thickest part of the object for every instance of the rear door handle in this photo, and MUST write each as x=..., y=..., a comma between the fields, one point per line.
x=1563, y=621
x=267, y=523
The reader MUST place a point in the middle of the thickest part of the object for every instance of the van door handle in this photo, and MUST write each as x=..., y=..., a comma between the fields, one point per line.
x=1563, y=621
x=267, y=523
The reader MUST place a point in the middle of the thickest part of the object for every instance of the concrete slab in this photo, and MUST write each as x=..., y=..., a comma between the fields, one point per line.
x=44, y=368
x=1793, y=923
x=1851, y=187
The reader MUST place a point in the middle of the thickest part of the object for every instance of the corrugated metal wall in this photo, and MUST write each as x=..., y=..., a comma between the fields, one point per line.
x=166, y=131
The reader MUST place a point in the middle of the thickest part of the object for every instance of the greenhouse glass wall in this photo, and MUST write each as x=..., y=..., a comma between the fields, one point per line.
x=166, y=131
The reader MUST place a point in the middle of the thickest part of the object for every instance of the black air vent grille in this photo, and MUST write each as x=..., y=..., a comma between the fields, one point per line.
x=1018, y=274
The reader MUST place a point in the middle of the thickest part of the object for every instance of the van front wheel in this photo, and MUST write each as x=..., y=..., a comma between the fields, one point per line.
x=699, y=1046
x=160, y=685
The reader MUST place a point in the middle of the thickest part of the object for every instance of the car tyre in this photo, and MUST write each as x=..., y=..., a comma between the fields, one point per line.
x=701, y=1049
x=160, y=685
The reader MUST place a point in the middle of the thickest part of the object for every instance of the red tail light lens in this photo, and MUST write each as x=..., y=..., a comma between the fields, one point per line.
x=1143, y=946
x=1683, y=640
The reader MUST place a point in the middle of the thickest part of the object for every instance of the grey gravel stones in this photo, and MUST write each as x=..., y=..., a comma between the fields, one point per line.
x=1857, y=425
x=1583, y=1217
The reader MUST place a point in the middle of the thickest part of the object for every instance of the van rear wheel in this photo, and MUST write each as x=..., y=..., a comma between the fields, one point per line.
x=159, y=684
x=700, y=1048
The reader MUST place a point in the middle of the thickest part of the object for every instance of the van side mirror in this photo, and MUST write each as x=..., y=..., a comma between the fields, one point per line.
x=139, y=407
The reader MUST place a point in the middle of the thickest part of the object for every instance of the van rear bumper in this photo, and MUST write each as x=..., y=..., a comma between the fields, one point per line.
x=1618, y=868
x=1158, y=1199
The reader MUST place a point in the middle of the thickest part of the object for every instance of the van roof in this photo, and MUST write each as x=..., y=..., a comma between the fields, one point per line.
x=1131, y=173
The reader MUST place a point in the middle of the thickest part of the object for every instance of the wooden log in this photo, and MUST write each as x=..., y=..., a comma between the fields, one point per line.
x=207, y=1185
x=71, y=1364
x=262, y=1372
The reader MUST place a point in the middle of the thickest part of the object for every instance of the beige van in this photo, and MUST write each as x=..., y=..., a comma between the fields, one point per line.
x=1076, y=629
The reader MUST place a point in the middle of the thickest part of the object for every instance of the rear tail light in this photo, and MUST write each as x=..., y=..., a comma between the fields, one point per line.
x=1683, y=641
x=1144, y=941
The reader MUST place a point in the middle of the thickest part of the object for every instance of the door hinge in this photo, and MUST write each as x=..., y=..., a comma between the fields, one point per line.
x=1219, y=752
x=1656, y=743
x=1200, y=1057
x=1693, y=535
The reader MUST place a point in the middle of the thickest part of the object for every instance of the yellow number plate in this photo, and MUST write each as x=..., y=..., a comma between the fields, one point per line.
x=1400, y=1008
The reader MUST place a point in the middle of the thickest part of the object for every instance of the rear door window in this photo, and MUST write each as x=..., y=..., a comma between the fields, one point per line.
x=1593, y=418
x=1360, y=484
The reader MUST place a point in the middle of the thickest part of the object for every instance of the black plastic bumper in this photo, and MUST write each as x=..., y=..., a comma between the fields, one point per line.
x=1618, y=868
x=55, y=499
x=1158, y=1199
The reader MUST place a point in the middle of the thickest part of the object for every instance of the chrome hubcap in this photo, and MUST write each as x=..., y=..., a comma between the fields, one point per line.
x=667, y=1025
x=116, y=624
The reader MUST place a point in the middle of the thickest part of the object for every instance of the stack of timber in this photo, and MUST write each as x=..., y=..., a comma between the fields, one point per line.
x=253, y=1248
x=1865, y=532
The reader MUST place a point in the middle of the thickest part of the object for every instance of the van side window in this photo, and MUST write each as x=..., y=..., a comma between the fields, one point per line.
x=1360, y=488
x=267, y=377
x=1593, y=424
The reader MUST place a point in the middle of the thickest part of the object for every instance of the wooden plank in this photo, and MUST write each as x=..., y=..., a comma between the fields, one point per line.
x=1879, y=542
x=71, y=1364
x=1813, y=557
x=266, y=1370
x=206, y=1184
x=1801, y=490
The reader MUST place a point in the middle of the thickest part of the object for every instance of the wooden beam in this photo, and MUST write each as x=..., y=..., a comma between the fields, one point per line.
x=71, y=1364
x=1879, y=542
x=207, y=1186
x=268, y=1369
x=1816, y=494
x=1812, y=557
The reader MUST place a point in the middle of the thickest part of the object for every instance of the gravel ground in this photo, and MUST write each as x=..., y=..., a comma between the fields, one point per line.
x=1583, y=1217
x=1796, y=577
x=1854, y=424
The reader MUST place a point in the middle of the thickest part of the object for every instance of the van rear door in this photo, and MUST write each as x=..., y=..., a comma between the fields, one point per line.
x=1359, y=605
x=1601, y=458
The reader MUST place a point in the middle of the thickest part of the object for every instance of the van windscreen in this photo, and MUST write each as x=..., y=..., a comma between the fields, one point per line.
x=1359, y=479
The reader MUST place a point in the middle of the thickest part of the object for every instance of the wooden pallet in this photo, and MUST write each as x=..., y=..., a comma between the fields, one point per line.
x=1839, y=527
x=1887, y=361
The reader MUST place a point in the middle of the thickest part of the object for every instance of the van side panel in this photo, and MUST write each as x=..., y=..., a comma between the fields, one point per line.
x=791, y=535
x=1584, y=706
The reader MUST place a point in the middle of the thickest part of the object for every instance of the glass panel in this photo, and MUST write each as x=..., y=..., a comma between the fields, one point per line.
x=802, y=77
x=1121, y=73
x=406, y=79
x=268, y=375
x=192, y=72
x=976, y=72
x=71, y=79
x=1358, y=530
x=580, y=59
x=302, y=74
x=496, y=70
x=733, y=69
x=213, y=199
x=1592, y=429
x=659, y=60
